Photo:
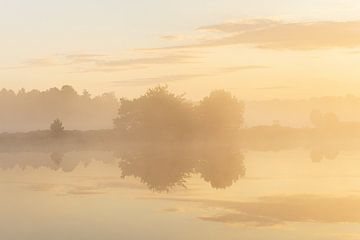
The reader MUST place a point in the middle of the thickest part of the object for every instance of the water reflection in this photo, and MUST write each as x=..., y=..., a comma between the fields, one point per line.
x=221, y=164
x=57, y=160
x=164, y=166
x=317, y=155
x=276, y=210
x=160, y=166
x=282, y=190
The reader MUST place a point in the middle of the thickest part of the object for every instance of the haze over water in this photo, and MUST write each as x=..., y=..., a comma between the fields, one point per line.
x=182, y=120
x=272, y=195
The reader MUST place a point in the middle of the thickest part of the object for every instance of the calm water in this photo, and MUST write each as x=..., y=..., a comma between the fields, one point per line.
x=144, y=195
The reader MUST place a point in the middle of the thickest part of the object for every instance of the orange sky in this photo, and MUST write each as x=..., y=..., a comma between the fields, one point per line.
x=257, y=50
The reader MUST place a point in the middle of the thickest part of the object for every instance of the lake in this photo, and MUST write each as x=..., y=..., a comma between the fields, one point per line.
x=178, y=193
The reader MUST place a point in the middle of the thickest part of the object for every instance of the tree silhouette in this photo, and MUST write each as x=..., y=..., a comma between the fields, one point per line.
x=81, y=111
x=324, y=120
x=163, y=166
x=57, y=128
x=220, y=112
x=221, y=164
x=160, y=166
x=158, y=114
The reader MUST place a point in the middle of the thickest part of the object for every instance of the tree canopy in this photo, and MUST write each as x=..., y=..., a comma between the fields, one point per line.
x=157, y=114
x=220, y=112
x=57, y=128
x=160, y=113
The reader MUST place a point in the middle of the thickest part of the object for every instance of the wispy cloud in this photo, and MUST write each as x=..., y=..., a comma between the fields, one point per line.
x=185, y=77
x=174, y=37
x=242, y=68
x=42, y=62
x=168, y=59
x=38, y=63
x=280, y=35
x=157, y=80
x=85, y=63
x=273, y=88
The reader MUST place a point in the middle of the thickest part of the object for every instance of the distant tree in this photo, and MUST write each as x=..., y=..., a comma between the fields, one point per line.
x=316, y=118
x=57, y=128
x=86, y=94
x=83, y=110
x=276, y=123
x=69, y=91
x=157, y=114
x=220, y=112
x=330, y=120
x=327, y=120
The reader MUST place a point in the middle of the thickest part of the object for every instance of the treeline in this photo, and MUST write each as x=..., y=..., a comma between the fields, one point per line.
x=161, y=114
x=33, y=110
x=295, y=112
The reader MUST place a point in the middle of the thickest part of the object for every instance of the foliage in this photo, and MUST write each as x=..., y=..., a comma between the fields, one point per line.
x=324, y=120
x=220, y=112
x=57, y=128
x=160, y=114
x=157, y=114
x=28, y=110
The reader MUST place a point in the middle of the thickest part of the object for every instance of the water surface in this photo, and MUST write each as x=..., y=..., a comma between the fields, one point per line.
x=180, y=193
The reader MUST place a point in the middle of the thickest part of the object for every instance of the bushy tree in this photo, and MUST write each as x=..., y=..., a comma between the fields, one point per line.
x=324, y=120
x=220, y=112
x=158, y=114
x=57, y=128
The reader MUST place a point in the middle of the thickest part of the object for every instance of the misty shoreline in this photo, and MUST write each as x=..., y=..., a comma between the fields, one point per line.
x=261, y=138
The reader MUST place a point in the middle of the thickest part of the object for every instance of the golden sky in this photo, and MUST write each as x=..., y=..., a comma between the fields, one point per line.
x=257, y=49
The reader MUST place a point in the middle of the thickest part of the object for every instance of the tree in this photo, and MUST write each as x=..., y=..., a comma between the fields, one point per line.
x=330, y=120
x=316, y=118
x=57, y=128
x=220, y=112
x=158, y=114
x=327, y=120
x=221, y=164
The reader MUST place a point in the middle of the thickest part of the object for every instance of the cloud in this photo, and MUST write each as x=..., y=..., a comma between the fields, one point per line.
x=354, y=52
x=84, y=55
x=87, y=62
x=272, y=88
x=184, y=77
x=38, y=63
x=116, y=65
x=108, y=69
x=174, y=37
x=84, y=58
x=157, y=80
x=42, y=62
x=168, y=59
x=280, y=35
x=240, y=26
x=172, y=209
x=242, y=68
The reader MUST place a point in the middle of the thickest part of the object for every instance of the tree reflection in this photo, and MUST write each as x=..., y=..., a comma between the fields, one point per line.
x=56, y=159
x=319, y=154
x=221, y=165
x=164, y=166
x=161, y=167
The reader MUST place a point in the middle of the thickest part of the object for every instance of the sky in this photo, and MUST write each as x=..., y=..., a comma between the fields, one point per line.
x=258, y=49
